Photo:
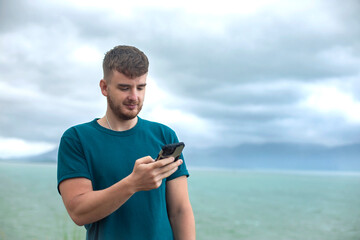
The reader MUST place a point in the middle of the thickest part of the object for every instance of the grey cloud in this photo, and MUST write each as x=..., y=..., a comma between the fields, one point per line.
x=222, y=76
x=285, y=48
x=45, y=118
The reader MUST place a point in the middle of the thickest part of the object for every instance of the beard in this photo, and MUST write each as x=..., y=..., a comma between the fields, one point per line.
x=120, y=110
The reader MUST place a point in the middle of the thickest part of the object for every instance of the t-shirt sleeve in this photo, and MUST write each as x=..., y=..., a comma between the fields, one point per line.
x=71, y=159
x=182, y=170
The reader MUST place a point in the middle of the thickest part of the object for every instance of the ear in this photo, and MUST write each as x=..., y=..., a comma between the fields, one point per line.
x=103, y=86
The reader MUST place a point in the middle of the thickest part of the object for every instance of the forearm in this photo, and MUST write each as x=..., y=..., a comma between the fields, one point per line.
x=93, y=206
x=183, y=225
x=85, y=205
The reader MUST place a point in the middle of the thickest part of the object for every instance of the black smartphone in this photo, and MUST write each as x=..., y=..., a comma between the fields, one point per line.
x=171, y=150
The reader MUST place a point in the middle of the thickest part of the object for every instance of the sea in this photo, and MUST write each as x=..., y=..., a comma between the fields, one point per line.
x=228, y=204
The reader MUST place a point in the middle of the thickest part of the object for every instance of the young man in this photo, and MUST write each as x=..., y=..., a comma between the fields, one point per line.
x=107, y=175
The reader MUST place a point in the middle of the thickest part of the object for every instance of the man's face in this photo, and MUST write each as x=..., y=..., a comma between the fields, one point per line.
x=125, y=96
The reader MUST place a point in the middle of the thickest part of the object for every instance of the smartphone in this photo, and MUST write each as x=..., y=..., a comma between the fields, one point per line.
x=171, y=150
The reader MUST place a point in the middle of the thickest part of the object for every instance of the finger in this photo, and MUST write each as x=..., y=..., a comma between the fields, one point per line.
x=168, y=173
x=164, y=162
x=170, y=167
x=145, y=160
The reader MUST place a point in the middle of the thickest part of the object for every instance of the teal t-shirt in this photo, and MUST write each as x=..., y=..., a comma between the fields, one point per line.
x=105, y=157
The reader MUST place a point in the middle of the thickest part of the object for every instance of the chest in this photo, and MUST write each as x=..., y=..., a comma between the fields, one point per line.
x=111, y=159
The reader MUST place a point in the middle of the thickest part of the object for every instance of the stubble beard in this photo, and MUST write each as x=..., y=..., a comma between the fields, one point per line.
x=120, y=113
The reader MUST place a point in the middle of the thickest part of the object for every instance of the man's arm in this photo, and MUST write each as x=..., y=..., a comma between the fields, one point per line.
x=179, y=209
x=85, y=205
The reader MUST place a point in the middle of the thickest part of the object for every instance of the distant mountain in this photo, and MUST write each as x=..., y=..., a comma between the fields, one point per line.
x=47, y=157
x=281, y=156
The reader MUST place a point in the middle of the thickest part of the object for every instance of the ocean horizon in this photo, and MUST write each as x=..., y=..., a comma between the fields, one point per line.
x=190, y=167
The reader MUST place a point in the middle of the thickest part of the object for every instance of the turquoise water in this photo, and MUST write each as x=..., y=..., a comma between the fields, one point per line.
x=281, y=206
x=250, y=205
x=30, y=206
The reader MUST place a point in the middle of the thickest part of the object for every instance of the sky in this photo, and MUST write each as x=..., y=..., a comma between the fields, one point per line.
x=226, y=73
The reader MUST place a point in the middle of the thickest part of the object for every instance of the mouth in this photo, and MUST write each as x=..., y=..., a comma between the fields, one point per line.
x=131, y=106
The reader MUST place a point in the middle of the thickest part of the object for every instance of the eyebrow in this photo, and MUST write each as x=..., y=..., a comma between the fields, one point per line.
x=129, y=85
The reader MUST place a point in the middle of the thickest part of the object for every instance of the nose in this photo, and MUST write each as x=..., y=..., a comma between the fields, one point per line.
x=133, y=95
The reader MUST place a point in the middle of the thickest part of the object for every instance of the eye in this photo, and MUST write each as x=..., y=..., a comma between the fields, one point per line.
x=141, y=87
x=121, y=88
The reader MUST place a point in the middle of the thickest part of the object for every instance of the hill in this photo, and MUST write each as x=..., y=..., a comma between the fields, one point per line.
x=279, y=156
x=47, y=157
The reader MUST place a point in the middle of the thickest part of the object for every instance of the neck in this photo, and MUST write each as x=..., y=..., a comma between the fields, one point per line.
x=113, y=123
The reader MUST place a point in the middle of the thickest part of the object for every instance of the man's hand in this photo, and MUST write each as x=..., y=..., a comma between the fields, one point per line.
x=148, y=173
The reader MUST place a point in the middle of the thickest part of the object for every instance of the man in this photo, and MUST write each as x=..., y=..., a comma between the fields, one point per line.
x=107, y=175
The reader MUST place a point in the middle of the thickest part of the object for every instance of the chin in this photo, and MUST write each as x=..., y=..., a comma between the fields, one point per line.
x=125, y=114
x=130, y=115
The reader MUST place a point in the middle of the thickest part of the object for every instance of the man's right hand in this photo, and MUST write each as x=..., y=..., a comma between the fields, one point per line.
x=148, y=173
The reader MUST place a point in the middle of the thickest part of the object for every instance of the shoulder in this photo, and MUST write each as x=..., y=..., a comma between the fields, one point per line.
x=74, y=131
x=160, y=130
x=156, y=126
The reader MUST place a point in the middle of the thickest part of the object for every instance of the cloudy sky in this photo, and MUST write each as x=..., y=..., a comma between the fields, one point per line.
x=221, y=74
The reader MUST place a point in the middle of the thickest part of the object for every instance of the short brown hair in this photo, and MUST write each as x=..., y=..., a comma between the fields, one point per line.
x=127, y=60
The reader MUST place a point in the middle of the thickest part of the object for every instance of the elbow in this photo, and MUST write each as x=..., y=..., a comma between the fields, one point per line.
x=76, y=216
x=78, y=220
x=185, y=211
x=76, y=212
x=79, y=215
